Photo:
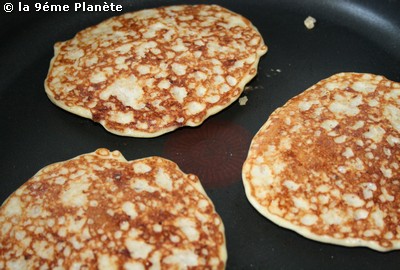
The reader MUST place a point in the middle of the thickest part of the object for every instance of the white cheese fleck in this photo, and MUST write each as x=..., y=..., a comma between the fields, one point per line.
x=43, y=249
x=141, y=168
x=385, y=196
x=107, y=262
x=74, y=54
x=17, y=264
x=394, y=94
x=124, y=48
x=340, y=139
x=188, y=227
x=74, y=194
x=309, y=219
x=389, y=235
x=332, y=216
x=348, y=153
x=138, y=249
x=392, y=140
x=345, y=105
x=133, y=266
x=368, y=189
x=98, y=77
x=164, y=84
x=360, y=214
x=323, y=199
x=143, y=69
x=392, y=114
x=194, y=107
x=157, y=228
x=342, y=169
x=323, y=188
x=179, y=69
x=357, y=125
x=179, y=93
x=364, y=87
x=306, y=105
x=374, y=133
x=13, y=207
x=122, y=117
x=353, y=200
x=163, y=180
x=142, y=185
x=291, y=185
x=328, y=125
x=387, y=172
x=301, y=203
x=378, y=216
x=129, y=209
x=185, y=258
x=212, y=99
x=262, y=175
x=125, y=90
x=373, y=103
x=231, y=80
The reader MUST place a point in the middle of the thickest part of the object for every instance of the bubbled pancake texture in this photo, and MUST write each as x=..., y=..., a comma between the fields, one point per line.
x=145, y=73
x=326, y=164
x=98, y=211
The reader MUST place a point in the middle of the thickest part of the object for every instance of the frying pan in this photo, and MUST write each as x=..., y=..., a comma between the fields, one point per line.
x=352, y=35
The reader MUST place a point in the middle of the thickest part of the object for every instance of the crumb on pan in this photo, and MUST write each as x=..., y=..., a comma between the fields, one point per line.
x=309, y=22
x=243, y=100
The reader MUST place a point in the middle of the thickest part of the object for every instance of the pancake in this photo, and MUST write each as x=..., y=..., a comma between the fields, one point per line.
x=99, y=211
x=146, y=73
x=326, y=164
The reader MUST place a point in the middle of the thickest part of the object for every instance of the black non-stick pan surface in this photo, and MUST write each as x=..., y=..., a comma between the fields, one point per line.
x=354, y=35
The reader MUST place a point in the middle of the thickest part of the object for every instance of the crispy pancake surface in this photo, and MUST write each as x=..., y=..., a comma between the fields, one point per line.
x=326, y=164
x=99, y=211
x=149, y=72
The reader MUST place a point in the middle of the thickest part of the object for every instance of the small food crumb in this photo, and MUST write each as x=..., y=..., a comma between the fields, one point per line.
x=309, y=22
x=248, y=88
x=243, y=100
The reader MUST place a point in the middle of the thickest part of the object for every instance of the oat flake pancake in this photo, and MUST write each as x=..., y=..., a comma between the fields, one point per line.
x=326, y=164
x=99, y=211
x=149, y=72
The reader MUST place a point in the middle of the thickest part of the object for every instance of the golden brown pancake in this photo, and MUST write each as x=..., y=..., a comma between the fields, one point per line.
x=99, y=211
x=149, y=72
x=326, y=164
